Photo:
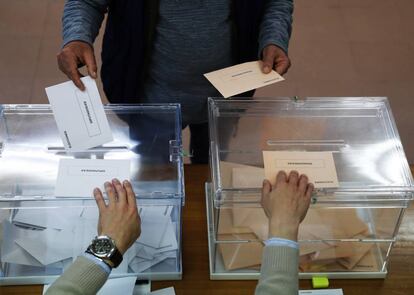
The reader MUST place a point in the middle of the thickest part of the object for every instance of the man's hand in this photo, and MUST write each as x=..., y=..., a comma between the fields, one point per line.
x=119, y=219
x=274, y=57
x=286, y=204
x=74, y=55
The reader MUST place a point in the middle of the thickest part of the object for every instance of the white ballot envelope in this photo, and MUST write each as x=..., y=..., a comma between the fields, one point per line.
x=78, y=177
x=318, y=166
x=241, y=78
x=79, y=115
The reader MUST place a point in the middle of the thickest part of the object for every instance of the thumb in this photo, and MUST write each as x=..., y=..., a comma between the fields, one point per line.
x=267, y=187
x=268, y=60
x=90, y=61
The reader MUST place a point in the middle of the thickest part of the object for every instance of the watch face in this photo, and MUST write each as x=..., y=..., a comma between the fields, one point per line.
x=102, y=246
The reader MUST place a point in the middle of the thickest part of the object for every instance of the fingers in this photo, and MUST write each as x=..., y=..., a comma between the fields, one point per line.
x=282, y=66
x=68, y=64
x=281, y=177
x=74, y=55
x=303, y=183
x=309, y=189
x=130, y=194
x=90, y=61
x=120, y=192
x=293, y=178
x=266, y=189
x=268, y=60
x=111, y=194
x=100, y=202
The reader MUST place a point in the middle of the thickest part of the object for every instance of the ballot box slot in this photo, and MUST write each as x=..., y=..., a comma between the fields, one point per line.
x=335, y=144
x=103, y=149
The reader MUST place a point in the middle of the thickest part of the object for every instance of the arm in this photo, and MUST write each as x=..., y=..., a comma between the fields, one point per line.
x=286, y=205
x=82, y=19
x=275, y=31
x=279, y=271
x=81, y=22
x=119, y=219
x=83, y=277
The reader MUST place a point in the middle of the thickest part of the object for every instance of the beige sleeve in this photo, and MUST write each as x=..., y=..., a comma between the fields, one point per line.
x=83, y=277
x=279, y=271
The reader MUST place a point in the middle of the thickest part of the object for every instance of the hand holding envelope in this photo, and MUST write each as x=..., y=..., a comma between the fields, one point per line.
x=241, y=78
x=79, y=115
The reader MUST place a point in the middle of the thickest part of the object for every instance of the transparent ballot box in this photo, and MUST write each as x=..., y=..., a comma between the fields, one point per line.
x=351, y=227
x=41, y=234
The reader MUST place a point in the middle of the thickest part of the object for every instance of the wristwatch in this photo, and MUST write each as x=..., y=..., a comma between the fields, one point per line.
x=104, y=248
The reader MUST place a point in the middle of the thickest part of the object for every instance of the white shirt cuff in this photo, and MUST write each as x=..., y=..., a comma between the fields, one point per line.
x=278, y=242
x=99, y=262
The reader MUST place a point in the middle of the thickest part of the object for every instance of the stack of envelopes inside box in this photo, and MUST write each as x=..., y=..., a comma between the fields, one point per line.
x=52, y=238
x=317, y=236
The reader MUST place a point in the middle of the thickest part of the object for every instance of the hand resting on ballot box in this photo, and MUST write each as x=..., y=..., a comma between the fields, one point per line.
x=285, y=204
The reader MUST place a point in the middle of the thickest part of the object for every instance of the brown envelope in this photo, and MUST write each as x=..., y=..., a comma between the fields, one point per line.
x=247, y=177
x=241, y=255
x=253, y=218
x=360, y=250
x=333, y=223
x=367, y=263
x=332, y=253
x=226, y=226
x=309, y=248
x=226, y=173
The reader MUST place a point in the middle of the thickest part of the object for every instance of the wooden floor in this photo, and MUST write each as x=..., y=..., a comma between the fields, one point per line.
x=400, y=280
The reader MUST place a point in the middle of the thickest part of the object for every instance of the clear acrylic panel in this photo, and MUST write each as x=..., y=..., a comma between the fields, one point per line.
x=40, y=239
x=148, y=135
x=360, y=132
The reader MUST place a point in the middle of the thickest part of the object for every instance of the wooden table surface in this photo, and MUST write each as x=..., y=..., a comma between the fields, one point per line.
x=400, y=280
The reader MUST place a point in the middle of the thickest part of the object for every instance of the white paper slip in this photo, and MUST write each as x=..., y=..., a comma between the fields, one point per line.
x=241, y=78
x=321, y=292
x=166, y=291
x=78, y=177
x=153, y=229
x=139, y=264
x=124, y=286
x=56, y=218
x=318, y=166
x=49, y=245
x=79, y=115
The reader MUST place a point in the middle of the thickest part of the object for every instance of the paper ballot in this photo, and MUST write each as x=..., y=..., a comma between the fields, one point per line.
x=78, y=177
x=318, y=166
x=79, y=115
x=241, y=78
x=34, y=241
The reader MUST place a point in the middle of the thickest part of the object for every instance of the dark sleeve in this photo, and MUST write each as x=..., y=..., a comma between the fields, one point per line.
x=82, y=19
x=276, y=26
